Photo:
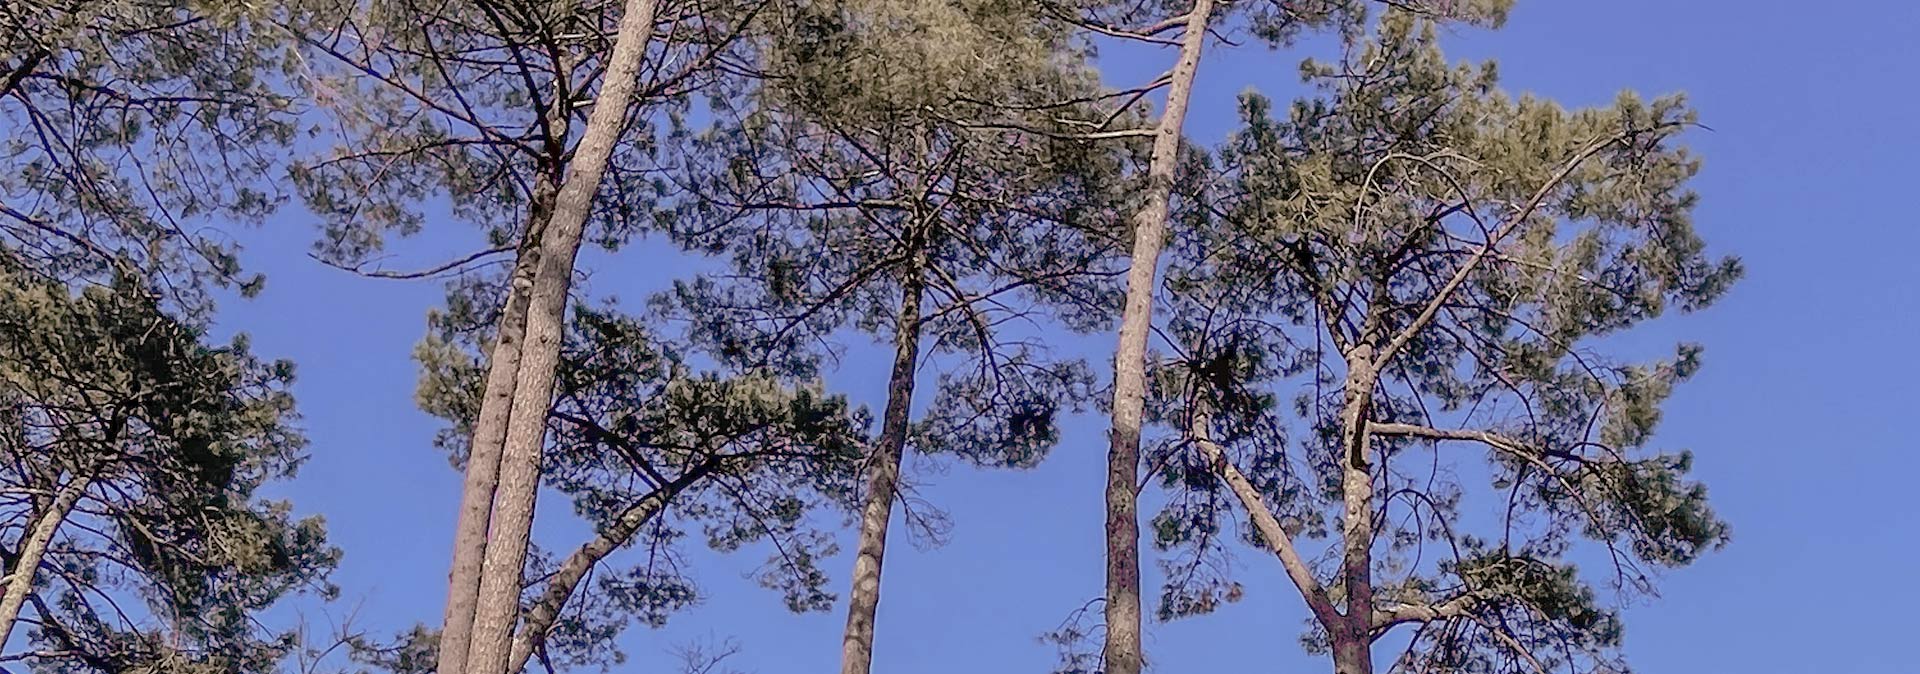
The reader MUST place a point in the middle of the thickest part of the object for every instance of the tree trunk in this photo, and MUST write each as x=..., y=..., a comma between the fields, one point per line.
x=541, y=615
x=485, y=448
x=512, y=518
x=1352, y=642
x=883, y=476
x=1122, y=652
x=1357, y=486
x=1352, y=654
x=33, y=548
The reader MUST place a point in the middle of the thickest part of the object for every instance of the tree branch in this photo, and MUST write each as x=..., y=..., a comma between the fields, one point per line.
x=1513, y=222
x=1276, y=536
x=540, y=617
x=1533, y=456
x=20, y=72
x=424, y=273
x=1385, y=619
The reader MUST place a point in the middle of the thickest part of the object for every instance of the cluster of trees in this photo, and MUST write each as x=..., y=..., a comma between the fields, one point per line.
x=1361, y=335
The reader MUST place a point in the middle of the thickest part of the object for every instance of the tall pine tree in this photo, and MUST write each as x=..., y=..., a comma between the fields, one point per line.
x=479, y=103
x=926, y=172
x=1387, y=327
x=650, y=448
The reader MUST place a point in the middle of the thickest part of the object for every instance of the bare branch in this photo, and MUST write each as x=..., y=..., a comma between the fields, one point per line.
x=424, y=273
x=1399, y=614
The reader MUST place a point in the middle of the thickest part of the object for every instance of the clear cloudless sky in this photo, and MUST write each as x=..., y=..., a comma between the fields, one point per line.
x=1799, y=419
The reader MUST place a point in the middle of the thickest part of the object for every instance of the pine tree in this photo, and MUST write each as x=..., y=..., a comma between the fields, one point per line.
x=922, y=171
x=1122, y=651
x=133, y=452
x=133, y=131
x=1277, y=24
x=1406, y=268
x=478, y=102
x=648, y=447
x=510, y=524
x=133, y=446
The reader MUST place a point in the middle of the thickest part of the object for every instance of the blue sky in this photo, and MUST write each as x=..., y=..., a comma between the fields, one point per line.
x=1794, y=420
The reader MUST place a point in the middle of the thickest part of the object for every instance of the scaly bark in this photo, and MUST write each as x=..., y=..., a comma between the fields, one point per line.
x=1352, y=641
x=1352, y=651
x=484, y=450
x=512, y=519
x=1122, y=651
x=19, y=580
x=883, y=474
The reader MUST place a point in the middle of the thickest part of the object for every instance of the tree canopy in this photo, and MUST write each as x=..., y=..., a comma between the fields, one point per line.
x=1387, y=320
x=1377, y=333
x=134, y=452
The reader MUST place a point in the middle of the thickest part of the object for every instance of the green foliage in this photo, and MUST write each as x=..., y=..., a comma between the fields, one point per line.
x=414, y=652
x=632, y=415
x=931, y=145
x=477, y=105
x=133, y=125
x=1564, y=620
x=1487, y=241
x=176, y=437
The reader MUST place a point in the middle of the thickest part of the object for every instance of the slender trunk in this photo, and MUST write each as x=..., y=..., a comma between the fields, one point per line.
x=19, y=582
x=484, y=450
x=1122, y=652
x=512, y=518
x=1352, y=642
x=883, y=476
x=541, y=615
